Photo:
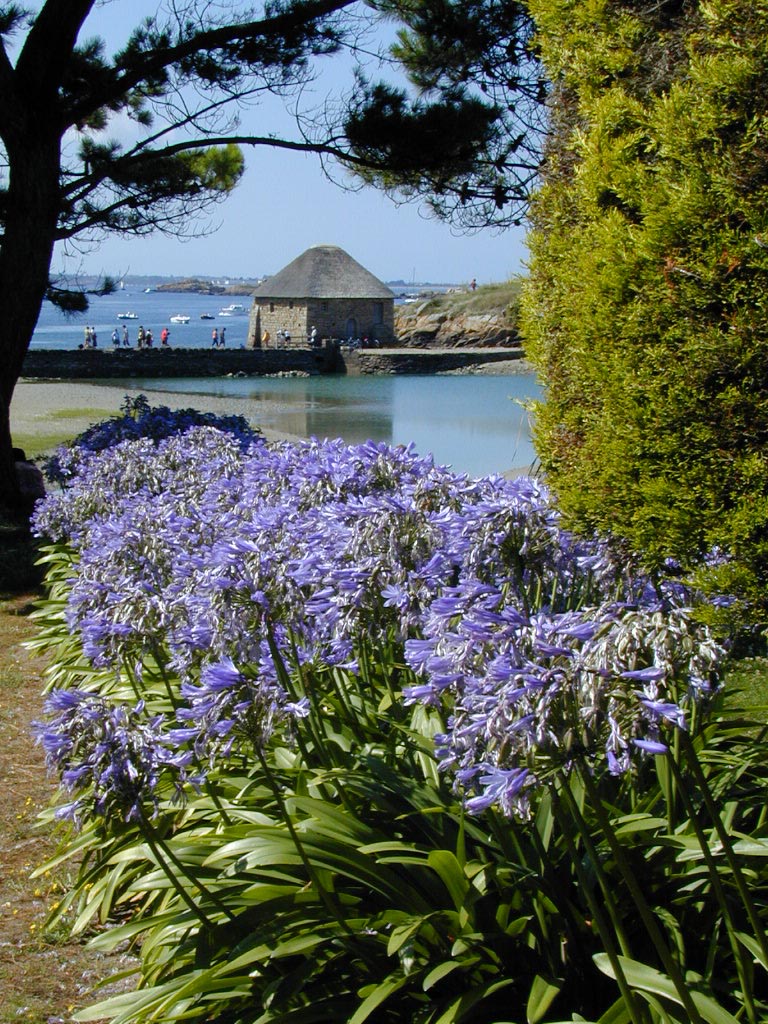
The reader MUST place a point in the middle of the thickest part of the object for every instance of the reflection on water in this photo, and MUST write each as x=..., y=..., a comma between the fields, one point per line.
x=476, y=424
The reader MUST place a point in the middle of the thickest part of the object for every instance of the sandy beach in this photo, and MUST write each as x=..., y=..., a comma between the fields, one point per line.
x=42, y=408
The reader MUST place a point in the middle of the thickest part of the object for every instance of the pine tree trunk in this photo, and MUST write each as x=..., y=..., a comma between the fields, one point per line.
x=25, y=258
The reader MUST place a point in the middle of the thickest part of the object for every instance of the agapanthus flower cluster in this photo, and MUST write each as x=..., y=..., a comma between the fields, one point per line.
x=111, y=755
x=230, y=708
x=536, y=692
x=140, y=420
x=233, y=562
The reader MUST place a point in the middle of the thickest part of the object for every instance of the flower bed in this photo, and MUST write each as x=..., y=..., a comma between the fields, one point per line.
x=350, y=737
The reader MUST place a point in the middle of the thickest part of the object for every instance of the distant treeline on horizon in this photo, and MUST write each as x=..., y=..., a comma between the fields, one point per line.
x=143, y=281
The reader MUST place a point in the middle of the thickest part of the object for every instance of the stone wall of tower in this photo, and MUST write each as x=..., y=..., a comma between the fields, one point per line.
x=333, y=318
x=277, y=316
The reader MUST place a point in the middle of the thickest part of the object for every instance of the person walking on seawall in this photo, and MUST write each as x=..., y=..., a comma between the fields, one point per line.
x=164, y=334
x=94, y=339
x=140, y=337
x=313, y=337
x=265, y=339
x=214, y=338
x=223, y=338
x=126, y=343
x=115, y=338
x=148, y=338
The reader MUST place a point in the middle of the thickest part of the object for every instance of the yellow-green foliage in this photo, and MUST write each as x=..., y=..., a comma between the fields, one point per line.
x=646, y=311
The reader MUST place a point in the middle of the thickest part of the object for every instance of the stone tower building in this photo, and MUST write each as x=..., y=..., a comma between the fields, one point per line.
x=326, y=289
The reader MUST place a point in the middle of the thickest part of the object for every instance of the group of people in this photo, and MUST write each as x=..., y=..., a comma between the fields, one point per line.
x=91, y=340
x=283, y=339
x=219, y=338
x=364, y=342
x=315, y=341
x=144, y=338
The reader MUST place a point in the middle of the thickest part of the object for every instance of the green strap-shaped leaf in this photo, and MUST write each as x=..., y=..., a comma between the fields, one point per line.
x=754, y=948
x=376, y=998
x=647, y=979
x=450, y=871
x=540, y=998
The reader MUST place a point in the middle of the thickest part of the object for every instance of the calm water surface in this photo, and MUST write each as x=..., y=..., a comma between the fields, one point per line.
x=476, y=424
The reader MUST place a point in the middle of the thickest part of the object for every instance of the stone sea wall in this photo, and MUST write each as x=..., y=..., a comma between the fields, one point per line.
x=95, y=364
x=105, y=364
x=415, y=360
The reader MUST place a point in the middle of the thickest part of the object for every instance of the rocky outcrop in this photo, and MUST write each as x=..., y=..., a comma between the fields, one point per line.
x=419, y=326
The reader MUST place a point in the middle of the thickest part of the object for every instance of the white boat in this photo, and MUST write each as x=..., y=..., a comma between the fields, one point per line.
x=180, y=318
x=234, y=307
x=127, y=316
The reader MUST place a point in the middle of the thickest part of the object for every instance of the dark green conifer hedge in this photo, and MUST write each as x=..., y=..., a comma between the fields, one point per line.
x=647, y=306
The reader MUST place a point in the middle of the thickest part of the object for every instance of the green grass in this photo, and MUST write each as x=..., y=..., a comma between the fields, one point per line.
x=747, y=684
x=81, y=414
x=63, y=425
x=40, y=444
x=489, y=298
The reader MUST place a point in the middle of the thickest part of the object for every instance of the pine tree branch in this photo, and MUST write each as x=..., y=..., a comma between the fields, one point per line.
x=133, y=71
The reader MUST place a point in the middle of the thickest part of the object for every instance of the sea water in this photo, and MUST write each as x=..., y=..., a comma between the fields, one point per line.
x=477, y=424
x=57, y=330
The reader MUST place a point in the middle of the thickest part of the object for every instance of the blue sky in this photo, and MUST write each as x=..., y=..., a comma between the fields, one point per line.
x=284, y=204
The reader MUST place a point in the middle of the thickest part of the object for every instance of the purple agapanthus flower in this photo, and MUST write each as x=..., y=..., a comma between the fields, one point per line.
x=111, y=756
x=231, y=562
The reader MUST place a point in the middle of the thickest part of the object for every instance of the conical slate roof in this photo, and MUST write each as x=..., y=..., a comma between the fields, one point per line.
x=323, y=272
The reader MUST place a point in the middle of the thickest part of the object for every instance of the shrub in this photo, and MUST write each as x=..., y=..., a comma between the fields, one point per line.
x=646, y=309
